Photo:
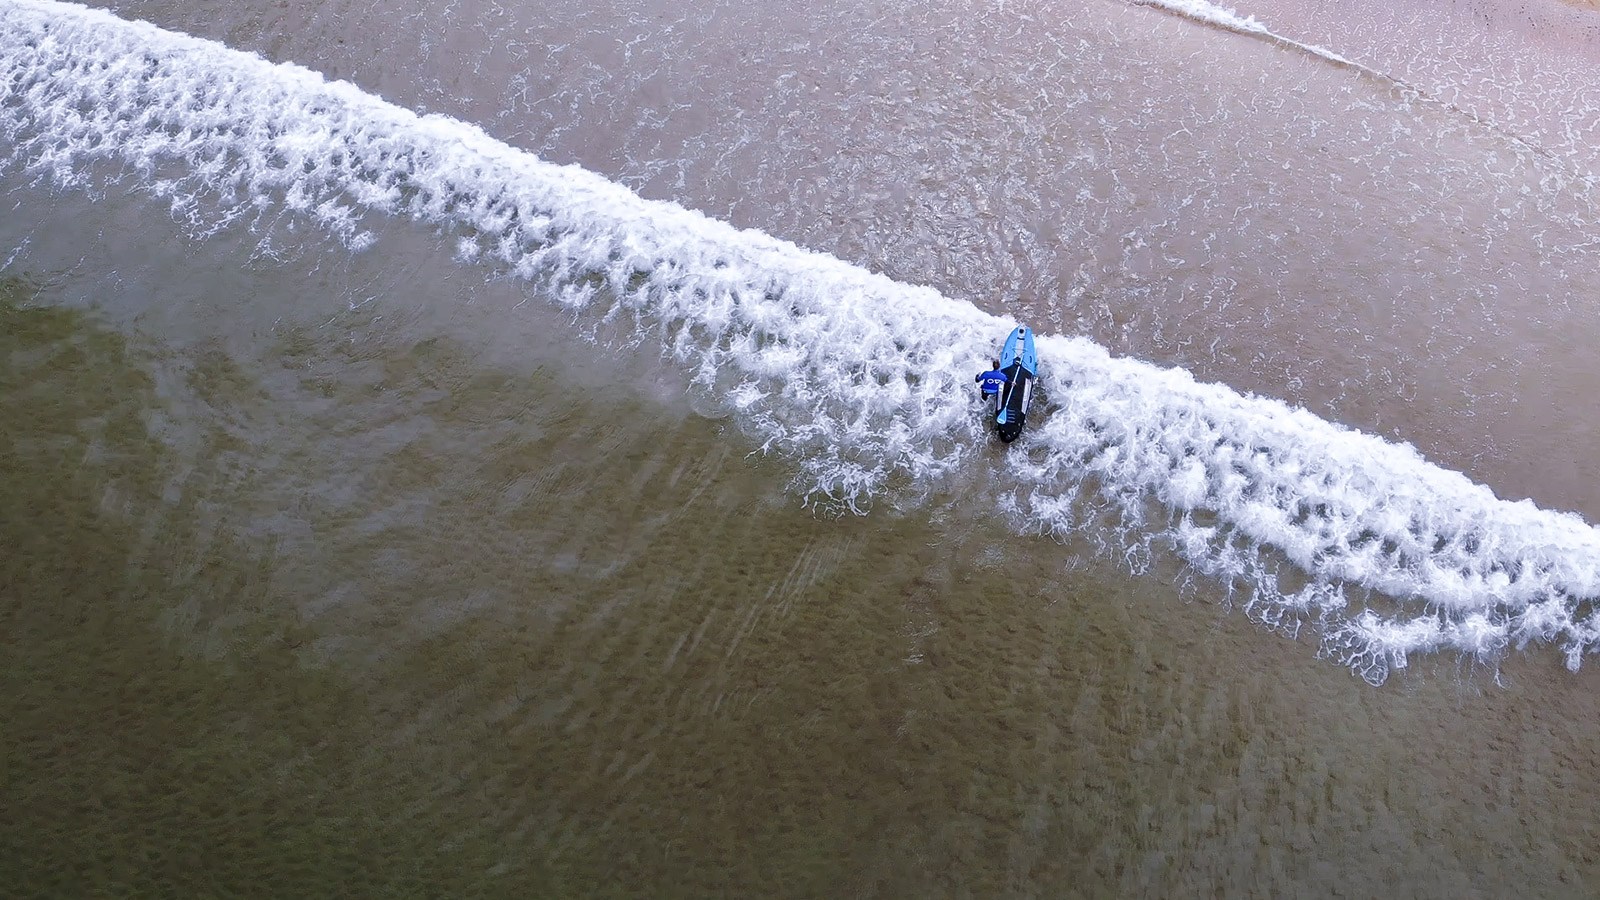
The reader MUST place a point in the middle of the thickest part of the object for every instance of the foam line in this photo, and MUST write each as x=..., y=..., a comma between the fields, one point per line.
x=863, y=381
x=1222, y=17
x=1228, y=20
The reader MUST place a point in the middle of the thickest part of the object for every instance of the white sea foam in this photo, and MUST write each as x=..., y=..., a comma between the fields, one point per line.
x=1222, y=17
x=859, y=379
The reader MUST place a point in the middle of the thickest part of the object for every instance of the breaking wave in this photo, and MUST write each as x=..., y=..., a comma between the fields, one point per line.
x=859, y=379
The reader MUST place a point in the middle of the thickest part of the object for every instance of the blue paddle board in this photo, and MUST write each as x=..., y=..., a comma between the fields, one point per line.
x=1020, y=338
x=1021, y=364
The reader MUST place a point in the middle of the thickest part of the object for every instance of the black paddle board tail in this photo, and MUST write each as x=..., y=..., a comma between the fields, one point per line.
x=1013, y=406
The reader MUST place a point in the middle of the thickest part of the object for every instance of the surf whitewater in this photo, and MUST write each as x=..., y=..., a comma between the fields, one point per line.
x=860, y=380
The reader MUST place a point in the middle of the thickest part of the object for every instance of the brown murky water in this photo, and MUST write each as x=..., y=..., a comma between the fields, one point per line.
x=315, y=579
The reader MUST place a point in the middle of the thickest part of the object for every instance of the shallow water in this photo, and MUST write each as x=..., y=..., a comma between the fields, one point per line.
x=321, y=577
x=500, y=654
